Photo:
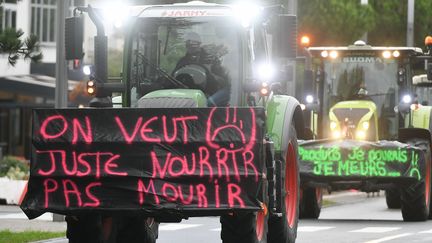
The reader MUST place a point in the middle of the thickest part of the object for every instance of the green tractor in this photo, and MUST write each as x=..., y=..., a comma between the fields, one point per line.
x=199, y=129
x=365, y=134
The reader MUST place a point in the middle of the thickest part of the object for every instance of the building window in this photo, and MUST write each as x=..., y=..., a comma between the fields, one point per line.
x=43, y=18
x=7, y=14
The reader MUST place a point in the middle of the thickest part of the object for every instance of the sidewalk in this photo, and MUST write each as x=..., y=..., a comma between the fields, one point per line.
x=13, y=219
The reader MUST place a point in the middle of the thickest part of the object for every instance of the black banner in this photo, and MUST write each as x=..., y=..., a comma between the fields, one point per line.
x=145, y=159
x=348, y=159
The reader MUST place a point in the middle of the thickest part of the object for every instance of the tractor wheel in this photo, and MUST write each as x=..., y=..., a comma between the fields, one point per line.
x=137, y=230
x=311, y=202
x=415, y=198
x=244, y=228
x=84, y=229
x=124, y=229
x=393, y=198
x=284, y=229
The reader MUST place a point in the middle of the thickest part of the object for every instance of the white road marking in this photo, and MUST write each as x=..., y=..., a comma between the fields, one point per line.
x=375, y=230
x=313, y=228
x=216, y=229
x=426, y=232
x=177, y=226
x=388, y=238
x=46, y=216
x=55, y=240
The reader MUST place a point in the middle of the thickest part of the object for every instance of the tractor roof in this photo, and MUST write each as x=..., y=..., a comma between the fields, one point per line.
x=189, y=9
x=361, y=46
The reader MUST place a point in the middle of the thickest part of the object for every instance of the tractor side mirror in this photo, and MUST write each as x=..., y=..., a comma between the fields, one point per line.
x=429, y=71
x=74, y=38
x=285, y=36
x=308, y=82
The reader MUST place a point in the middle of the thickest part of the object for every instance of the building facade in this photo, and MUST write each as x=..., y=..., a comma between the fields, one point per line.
x=27, y=85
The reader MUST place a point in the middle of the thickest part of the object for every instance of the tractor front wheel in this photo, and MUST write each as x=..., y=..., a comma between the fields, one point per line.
x=284, y=229
x=117, y=229
x=415, y=198
x=311, y=202
x=244, y=227
x=393, y=198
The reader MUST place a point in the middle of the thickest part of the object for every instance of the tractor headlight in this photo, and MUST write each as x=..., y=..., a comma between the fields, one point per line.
x=87, y=70
x=266, y=72
x=333, y=125
x=309, y=99
x=361, y=135
x=407, y=99
x=386, y=54
x=336, y=134
x=247, y=12
x=365, y=125
x=264, y=90
x=333, y=54
x=324, y=54
x=115, y=13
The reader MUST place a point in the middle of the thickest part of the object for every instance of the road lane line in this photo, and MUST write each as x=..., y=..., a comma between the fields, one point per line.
x=313, y=228
x=376, y=230
x=216, y=229
x=177, y=226
x=55, y=240
x=426, y=232
x=389, y=238
x=46, y=216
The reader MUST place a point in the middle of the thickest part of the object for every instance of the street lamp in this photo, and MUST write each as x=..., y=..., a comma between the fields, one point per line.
x=410, y=23
x=365, y=35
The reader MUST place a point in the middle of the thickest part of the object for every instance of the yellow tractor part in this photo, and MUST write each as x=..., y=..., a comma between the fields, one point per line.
x=354, y=119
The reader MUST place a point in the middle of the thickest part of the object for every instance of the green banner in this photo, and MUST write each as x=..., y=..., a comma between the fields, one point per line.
x=352, y=158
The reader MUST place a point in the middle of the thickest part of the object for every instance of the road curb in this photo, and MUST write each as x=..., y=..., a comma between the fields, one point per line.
x=348, y=197
x=53, y=240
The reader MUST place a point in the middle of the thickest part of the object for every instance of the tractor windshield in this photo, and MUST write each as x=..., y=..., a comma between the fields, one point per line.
x=364, y=78
x=192, y=53
x=424, y=95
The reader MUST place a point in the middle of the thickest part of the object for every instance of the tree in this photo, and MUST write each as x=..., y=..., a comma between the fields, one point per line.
x=335, y=22
x=390, y=28
x=11, y=43
x=391, y=19
x=422, y=23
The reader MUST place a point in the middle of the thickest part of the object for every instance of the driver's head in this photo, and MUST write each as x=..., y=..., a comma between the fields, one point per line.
x=362, y=92
x=193, y=42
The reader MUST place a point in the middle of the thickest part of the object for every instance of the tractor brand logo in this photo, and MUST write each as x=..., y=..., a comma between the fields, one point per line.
x=184, y=13
x=362, y=59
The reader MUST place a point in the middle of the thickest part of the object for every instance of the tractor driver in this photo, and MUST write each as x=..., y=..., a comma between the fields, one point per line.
x=217, y=83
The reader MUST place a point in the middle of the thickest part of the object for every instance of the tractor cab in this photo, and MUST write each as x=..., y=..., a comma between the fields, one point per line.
x=200, y=53
x=360, y=88
x=422, y=101
x=422, y=90
x=189, y=56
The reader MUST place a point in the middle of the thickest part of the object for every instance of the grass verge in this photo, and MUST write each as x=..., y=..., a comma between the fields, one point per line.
x=327, y=203
x=7, y=236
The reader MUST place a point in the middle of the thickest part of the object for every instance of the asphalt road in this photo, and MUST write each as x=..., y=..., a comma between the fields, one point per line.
x=354, y=218
x=357, y=219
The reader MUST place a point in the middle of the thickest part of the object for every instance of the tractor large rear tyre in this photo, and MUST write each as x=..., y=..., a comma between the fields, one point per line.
x=393, y=198
x=311, y=203
x=244, y=228
x=84, y=229
x=284, y=229
x=137, y=230
x=415, y=199
x=125, y=229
